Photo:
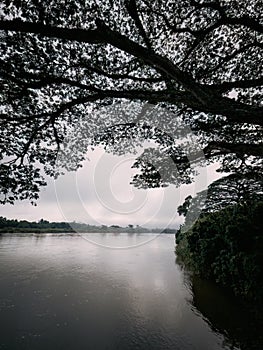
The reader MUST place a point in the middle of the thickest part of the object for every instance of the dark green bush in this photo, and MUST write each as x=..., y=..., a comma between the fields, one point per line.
x=227, y=246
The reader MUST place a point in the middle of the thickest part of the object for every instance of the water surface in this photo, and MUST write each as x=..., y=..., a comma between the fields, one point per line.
x=64, y=292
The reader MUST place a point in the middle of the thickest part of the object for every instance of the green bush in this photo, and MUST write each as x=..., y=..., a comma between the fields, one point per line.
x=227, y=246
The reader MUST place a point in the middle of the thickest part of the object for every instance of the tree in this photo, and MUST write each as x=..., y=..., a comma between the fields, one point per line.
x=61, y=61
x=227, y=191
x=231, y=190
x=226, y=246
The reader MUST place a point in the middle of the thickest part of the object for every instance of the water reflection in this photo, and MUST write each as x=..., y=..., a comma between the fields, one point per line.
x=225, y=314
x=63, y=292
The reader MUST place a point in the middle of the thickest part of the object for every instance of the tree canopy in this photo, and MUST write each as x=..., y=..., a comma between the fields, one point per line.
x=63, y=62
x=226, y=246
x=228, y=191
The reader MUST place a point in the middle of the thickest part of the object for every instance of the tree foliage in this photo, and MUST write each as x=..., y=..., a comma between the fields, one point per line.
x=234, y=189
x=229, y=190
x=44, y=226
x=62, y=62
x=226, y=246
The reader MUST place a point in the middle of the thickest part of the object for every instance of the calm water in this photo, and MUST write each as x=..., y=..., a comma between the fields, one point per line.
x=64, y=292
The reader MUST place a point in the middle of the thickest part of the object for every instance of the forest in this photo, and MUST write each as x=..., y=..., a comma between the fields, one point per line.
x=227, y=247
x=44, y=226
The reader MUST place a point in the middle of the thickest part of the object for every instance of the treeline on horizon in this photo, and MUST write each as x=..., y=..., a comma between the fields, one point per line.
x=44, y=226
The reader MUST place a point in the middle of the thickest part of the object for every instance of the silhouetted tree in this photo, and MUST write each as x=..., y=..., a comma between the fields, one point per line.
x=63, y=61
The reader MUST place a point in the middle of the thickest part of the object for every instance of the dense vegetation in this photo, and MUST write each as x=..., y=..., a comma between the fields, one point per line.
x=44, y=226
x=227, y=246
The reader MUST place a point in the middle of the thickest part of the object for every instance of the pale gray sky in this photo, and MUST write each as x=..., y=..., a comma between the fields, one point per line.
x=99, y=193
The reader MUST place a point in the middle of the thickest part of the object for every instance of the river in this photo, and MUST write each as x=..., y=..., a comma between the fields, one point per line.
x=111, y=292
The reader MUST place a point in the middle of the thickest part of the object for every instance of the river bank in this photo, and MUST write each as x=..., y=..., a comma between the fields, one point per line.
x=227, y=247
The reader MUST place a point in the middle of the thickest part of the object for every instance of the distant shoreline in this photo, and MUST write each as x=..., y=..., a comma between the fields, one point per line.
x=44, y=226
x=63, y=233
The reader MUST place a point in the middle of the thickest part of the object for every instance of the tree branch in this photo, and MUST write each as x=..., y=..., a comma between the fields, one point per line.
x=231, y=56
x=44, y=80
x=238, y=148
x=116, y=76
x=243, y=84
x=203, y=98
x=133, y=12
x=246, y=21
x=91, y=36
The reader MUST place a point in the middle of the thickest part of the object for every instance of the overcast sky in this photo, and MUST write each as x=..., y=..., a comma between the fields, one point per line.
x=99, y=193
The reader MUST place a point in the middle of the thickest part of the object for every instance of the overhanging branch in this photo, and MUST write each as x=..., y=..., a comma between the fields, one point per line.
x=203, y=98
x=238, y=148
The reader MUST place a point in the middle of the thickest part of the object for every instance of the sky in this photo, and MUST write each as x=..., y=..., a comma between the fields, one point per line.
x=100, y=193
